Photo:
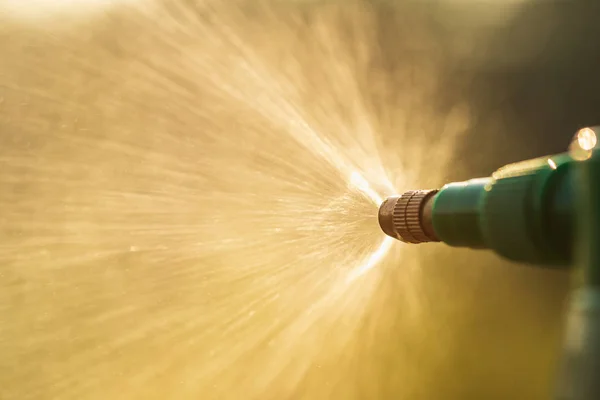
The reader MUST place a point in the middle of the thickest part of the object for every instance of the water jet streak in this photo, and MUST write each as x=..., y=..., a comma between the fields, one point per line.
x=185, y=192
x=358, y=181
x=373, y=259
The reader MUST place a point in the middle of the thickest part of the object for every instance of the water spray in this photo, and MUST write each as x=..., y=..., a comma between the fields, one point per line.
x=545, y=212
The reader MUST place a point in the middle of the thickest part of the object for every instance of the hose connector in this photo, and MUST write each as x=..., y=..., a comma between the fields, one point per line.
x=408, y=217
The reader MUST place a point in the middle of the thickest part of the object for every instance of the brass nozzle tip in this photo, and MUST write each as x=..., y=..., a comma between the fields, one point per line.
x=407, y=217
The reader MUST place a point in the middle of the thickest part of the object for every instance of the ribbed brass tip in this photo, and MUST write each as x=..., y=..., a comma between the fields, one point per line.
x=408, y=217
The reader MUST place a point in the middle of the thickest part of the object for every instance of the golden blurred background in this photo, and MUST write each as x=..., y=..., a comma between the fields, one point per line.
x=188, y=195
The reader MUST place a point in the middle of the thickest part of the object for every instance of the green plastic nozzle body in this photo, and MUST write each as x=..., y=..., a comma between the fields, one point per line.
x=524, y=212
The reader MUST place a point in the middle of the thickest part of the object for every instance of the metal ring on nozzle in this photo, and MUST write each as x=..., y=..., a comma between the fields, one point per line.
x=408, y=217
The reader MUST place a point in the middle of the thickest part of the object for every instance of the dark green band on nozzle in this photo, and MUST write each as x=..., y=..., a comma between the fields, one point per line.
x=521, y=214
x=587, y=179
x=456, y=213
